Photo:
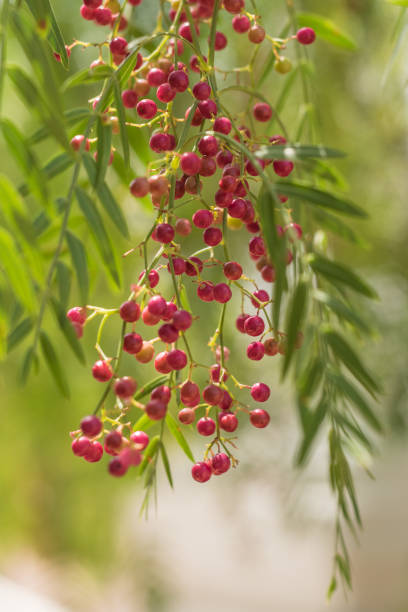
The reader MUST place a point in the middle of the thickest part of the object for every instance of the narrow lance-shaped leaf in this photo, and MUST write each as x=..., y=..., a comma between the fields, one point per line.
x=63, y=274
x=104, y=135
x=353, y=395
x=314, y=422
x=53, y=364
x=106, y=198
x=296, y=151
x=13, y=266
x=343, y=351
x=320, y=198
x=339, y=273
x=80, y=264
x=295, y=317
x=341, y=310
x=176, y=433
x=19, y=333
x=42, y=9
x=122, y=123
x=149, y=453
x=99, y=233
x=149, y=387
x=166, y=464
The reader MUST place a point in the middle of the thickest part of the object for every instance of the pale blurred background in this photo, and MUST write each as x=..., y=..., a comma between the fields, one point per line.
x=260, y=538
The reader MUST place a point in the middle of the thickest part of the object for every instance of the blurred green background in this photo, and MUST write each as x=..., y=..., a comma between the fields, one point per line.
x=261, y=537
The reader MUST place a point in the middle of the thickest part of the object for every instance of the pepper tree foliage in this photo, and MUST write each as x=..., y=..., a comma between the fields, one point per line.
x=313, y=296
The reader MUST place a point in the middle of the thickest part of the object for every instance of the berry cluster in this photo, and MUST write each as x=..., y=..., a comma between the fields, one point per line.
x=186, y=159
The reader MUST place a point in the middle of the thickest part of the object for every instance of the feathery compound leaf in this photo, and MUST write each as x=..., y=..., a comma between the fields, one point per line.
x=296, y=151
x=106, y=198
x=319, y=198
x=354, y=396
x=338, y=273
x=147, y=389
x=341, y=310
x=80, y=264
x=176, y=433
x=98, y=233
x=343, y=351
x=53, y=364
x=326, y=30
x=295, y=316
x=12, y=265
x=166, y=464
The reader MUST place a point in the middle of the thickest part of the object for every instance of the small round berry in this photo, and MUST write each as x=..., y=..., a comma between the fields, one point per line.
x=118, y=46
x=260, y=392
x=77, y=141
x=87, y=12
x=92, y=3
x=129, y=98
x=186, y=416
x=255, y=351
x=163, y=393
x=226, y=402
x=182, y=320
x=157, y=305
x=165, y=93
x=156, y=77
x=232, y=270
x=177, y=359
x=256, y=34
x=171, y=308
x=262, y=111
x=102, y=371
x=146, y=108
x=125, y=387
x=237, y=209
x=161, y=364
x=268, y=274
x=240, y=322
x=234, y=6
x=183, y=227
x=212, y=236
x=294, y=230
x=223, y=158
x=203, y=218
x=208, y=166
x=306, y=36
x=241, y=24
x=91, y=426
x=117, y=467
x=130, y=456
x=190, y=394
x=208, y=145
x=80, y=446
x=282, y=167
x=222, y=293
x=179, y=265
x=94, y=453
x=194, y=266
x=205, y=291
x=260, y=298
x=212, y=395
x=228, y=421
x=164, y=233
x=206, y=426
x=283, y=65
x=130, y=311
x=156, y=410
x=201, y=90
x=220, y=464
x=113, y=441
x=160, y=142
x=168, y=333
x=190, y=163
x=146, y=353
x=220, y=41
x=257, y=246
x=271, y=347
x=254, y=326
x=140, y=439
x=259, y=418
x=201, y=472
x=178, y=80
x=208, y=108
x=148, y=318
x=222, y=125
x=77, y=315
x=158, y=185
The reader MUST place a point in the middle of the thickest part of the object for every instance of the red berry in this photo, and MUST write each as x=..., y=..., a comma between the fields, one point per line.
x=208, y=145
x=232, y=270
x=77, y=315
x=130, y=311
x=254, y=326
x=125, y=387
x=117, y=467
x=177, y=359
x=146, y=353
x=240, y=322
x=183, y=227
x=118, y=46
x=259, y=418
x=201, y=90
x=224, y=158
x=212, y=236
x=222, y=293
x=190, y=394
x=262, y=111
x=206, y=426
x=226, y=402
x=190, y=163
x=241, y=24
x=261, y=296
x=77, y=141
x=205, y=291
x=129, y=98
x=148, y=318
x=282, y=167
x=186, y=416
x=139, y=187
x=92, y=3
x=161, y=364
x=234, y=6
x=208, y=108
x=257, y=246
x=256, y=351
x=157, y=305
x=260, y=392
x=203, y=218
x=179, y=265
x=237, y=208
x=146, y=108
x=256, y=34
x=168, y=333
x=165, y=93
x=156, y=410
x=140, y=439
x=201, y=472
x=94, y=453
x=178, y=80
x=194, y=265
x=156, y=77
x=222, y=125
x=80, y=446
x=130, y=456
x=87, y=12
x=294, y=230
x=102, y=371
x=91, y=426
x=268, y=274
x=113, y=441
x=163, y=393
x=220, y=41
x=220, y=464
x=164, y=233
x=306, y=36
x=182, y=320
x=208, y=167
x=228, y=421
x=212, y=395
x=171, y=308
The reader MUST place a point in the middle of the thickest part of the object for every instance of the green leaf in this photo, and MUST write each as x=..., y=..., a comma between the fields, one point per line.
x=315, y=420
x=122, y=123
x=71, y=117
x=343, y=351
x=344, y=569
x=176, y=433
x=332, y=588
x=342, y=311
x=166, y=464
x=296, y=313
x=338, y=273
x=19, y=333
x=29, y=360
x=398, y=2
x=326, y=30
x=99, y=233
x=296, y=151
x=104, y=135
x=106, y=198
x=25, y=86
x=147, y=389
x=143, y=423
x=149, y=453
x=13, y=266
x=53, y=364
x=87, y=76
x=319, y=198
x=68, y=330
x=42, y=9
x=308, y=382
x=337, y=226
x=63, y=274
x=80, y=264
x=57, y=165
x=354, y=396
x=287, y=86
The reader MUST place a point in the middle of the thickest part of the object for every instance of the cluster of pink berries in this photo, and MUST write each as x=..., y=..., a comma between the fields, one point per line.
x=178, y=172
